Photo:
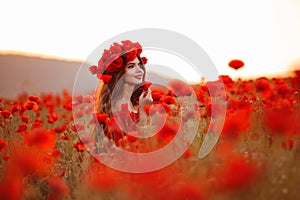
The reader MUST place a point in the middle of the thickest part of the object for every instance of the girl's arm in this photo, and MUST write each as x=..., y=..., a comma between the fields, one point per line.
x=144, y=100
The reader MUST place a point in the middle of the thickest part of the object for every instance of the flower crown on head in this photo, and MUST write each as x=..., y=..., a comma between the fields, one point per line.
x=112, y=59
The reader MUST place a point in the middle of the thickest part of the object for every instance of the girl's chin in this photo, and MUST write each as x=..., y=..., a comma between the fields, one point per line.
x=138, y=81
x=135, y=82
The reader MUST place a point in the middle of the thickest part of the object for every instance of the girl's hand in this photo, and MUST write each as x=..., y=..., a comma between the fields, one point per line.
x=145, y=98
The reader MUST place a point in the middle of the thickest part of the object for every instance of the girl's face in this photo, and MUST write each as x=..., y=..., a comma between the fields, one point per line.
x=133, y=72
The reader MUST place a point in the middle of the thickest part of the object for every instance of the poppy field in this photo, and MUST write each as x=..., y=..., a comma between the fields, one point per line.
x=256, y=157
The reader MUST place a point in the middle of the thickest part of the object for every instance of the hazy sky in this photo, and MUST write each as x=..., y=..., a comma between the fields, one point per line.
x=265, y=34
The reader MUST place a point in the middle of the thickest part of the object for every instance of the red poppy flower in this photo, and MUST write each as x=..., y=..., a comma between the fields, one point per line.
x=145, y=86
x=101, y=117
x=139, y=51
x=105, y=78
x=283, y=89
x=236, y=64
x=169, y=100
x=116, y=65
x=281, y=121
x=226, y=79
x=52, y=117
x=156, y=94
x=5, y=158
x=236, y=123
x=55, y=153
x=112, y=59
x=22, y=127
x=93, y=69
x=79, y=146
x=50, y=120
x=262, y=84
x=14, y=108
x=68, y=105
x=55, y=116
x=50, y=106
x=41, y=138
x=65, y=137
x=37, y=124
x=130, y=56
x=61, y=129
x=25, y=118
x=31, y=105
x=144, y=60
x=58, y=130
x=33, y=98
x=3, y=145
x=6, y=114
x=38, y=120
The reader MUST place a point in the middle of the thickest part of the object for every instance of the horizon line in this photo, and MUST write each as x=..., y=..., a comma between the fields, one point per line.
x=284, y=74
x=38, y=55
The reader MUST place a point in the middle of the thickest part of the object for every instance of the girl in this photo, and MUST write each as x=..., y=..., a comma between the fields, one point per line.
x=122, y=89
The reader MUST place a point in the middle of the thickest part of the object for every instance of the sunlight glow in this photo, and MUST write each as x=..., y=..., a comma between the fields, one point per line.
x=264, y=34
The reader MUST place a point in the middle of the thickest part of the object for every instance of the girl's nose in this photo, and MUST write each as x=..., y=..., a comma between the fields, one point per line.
x=139, y=69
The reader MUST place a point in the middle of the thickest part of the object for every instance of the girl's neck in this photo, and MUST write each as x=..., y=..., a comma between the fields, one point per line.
x=126, y=92
x=125, y=95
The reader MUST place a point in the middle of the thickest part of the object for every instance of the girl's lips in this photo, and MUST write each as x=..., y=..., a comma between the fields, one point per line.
x=138, y=76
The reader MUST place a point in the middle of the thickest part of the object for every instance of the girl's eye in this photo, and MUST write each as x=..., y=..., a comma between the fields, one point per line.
x=130, y=66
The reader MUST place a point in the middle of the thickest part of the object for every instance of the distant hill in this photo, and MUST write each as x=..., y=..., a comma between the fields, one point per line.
x=35, y=75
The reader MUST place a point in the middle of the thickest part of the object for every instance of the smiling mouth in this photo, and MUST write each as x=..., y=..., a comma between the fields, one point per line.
x=138, y=76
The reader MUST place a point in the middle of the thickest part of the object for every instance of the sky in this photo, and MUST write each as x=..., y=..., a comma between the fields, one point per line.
x=262, y=33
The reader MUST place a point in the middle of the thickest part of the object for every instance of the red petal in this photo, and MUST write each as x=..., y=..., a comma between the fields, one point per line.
x=93, y=69
x=236, y=64
x=105, y=78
